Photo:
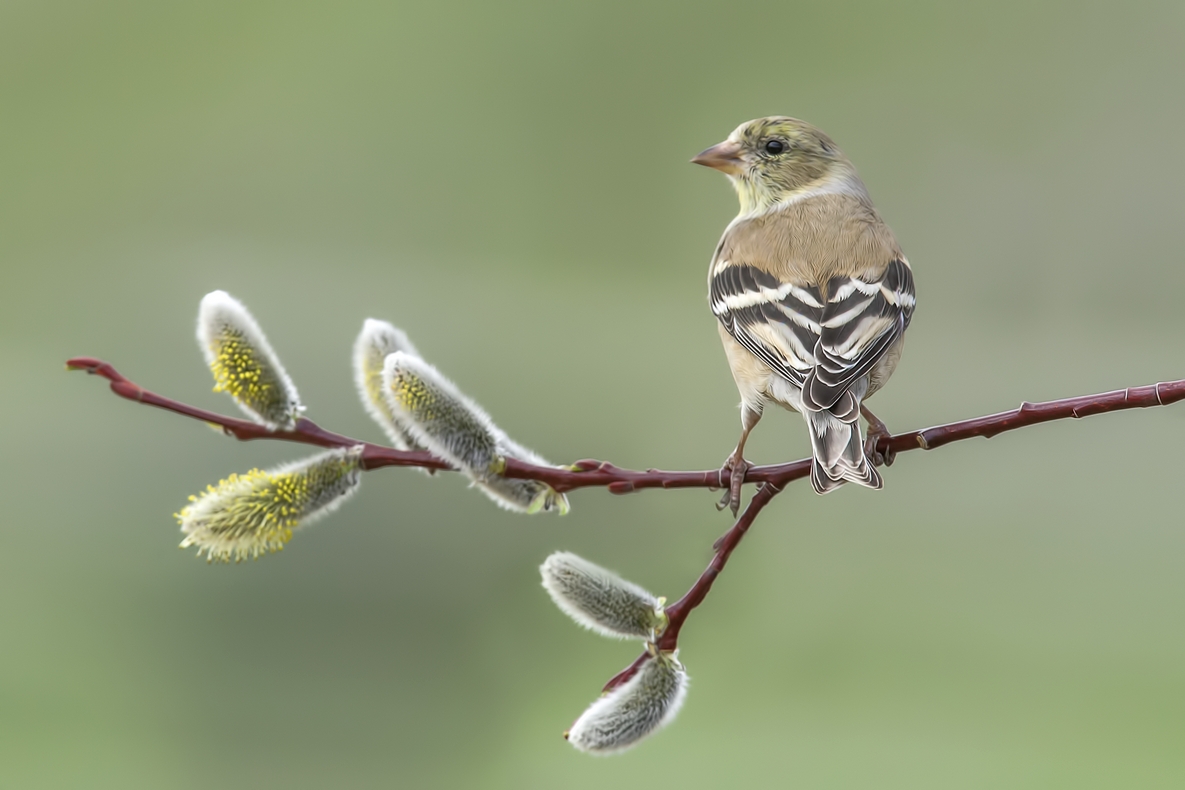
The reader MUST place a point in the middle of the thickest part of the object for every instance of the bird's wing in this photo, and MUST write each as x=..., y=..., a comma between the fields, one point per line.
x=778, y=322
x=821, y=340
x=860, y=323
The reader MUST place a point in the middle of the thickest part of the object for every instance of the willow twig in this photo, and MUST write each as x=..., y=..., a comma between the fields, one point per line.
x=589, y=473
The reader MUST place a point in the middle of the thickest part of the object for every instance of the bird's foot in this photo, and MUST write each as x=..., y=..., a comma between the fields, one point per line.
x=736, y=466
x=876, y=445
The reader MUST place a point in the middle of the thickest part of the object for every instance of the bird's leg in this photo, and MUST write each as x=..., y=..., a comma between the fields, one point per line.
x=736, y=464
x=877, y=430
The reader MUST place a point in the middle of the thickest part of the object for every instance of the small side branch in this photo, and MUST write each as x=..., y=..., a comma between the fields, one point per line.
x=678, y=611
x=305, y=432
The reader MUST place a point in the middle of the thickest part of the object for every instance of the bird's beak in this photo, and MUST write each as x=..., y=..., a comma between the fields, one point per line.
x=725, y=157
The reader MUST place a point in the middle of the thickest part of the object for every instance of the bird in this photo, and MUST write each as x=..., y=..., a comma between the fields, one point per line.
x=812, y=296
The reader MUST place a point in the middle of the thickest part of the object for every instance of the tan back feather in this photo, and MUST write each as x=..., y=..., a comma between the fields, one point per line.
x=812, y=240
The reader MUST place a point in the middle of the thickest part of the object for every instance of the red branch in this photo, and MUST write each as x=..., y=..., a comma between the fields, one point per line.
x=678, y=611
x=305, y=432
x=584, y=474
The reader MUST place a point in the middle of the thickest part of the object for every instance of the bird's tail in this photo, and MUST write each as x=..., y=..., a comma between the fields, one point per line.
x=838, y=447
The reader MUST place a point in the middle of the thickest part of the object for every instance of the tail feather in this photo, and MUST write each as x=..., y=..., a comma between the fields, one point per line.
x=838, y=451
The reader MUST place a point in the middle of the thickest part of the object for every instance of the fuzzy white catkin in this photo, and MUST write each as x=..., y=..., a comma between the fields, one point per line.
x=641, y=706
x=248, y=515
x=378, y=340
x=244, y=364
x=446, y=422
x=454, y=428
x=600, y=600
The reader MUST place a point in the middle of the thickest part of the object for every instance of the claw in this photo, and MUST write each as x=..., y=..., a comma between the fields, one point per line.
x=874, y=453
x=878, y=435
x=737, y=467
x=725, y=500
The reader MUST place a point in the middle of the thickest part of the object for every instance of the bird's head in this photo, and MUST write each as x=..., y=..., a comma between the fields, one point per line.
x=772, y=159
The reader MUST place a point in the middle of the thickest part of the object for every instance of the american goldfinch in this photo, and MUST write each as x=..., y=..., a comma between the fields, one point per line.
x=812, y=293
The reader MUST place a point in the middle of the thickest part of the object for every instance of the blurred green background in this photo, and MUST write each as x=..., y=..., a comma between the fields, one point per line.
x=510, y=183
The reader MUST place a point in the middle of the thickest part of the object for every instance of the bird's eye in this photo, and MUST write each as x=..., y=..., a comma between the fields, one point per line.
x=774, y=146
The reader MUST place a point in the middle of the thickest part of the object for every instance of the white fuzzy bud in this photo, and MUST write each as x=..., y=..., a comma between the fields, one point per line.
x=377, y=341
x=251, y=514
x=600, y=600
x=454, y=428
x=244, y=364
x=641, y=706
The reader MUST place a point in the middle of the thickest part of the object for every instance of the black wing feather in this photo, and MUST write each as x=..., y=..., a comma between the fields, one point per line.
x=840, y=348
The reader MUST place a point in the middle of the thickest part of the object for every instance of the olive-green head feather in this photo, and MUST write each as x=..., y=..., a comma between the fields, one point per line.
x=771, y=160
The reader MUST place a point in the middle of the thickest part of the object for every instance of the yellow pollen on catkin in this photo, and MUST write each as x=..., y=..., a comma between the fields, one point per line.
x=378, y=340
x=457, y=430
x=244, y=364
x=240, y=372
x=247, y=515
x=415, y=396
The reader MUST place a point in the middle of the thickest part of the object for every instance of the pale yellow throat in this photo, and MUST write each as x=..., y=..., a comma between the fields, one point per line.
x=759, y=196
x=755, y=196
